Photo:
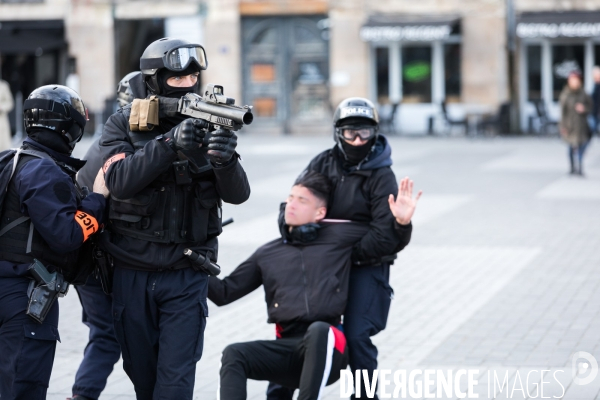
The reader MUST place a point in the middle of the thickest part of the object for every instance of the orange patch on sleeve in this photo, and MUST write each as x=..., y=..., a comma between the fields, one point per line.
x=88, y=224
x=112, y=160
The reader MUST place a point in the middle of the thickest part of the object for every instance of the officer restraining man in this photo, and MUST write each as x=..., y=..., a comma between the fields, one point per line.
x=159, y=295
x=358, y=167
x=45, y=216
x=102, y=350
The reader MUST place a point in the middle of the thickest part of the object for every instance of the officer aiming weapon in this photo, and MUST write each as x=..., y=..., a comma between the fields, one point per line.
x=216, y=108
x=43, y=295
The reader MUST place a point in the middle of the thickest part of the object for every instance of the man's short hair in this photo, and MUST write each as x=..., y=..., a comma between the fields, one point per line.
x=317, y=183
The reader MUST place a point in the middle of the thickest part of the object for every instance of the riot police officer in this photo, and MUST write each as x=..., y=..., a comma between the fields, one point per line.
x=102, y=350
x=45, y=217
x=166, y=187
x=363, y=191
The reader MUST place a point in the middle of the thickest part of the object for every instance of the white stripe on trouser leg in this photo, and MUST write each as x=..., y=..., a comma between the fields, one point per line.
x=328, y=361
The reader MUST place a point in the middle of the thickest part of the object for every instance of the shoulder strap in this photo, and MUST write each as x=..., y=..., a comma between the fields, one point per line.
x=33, y=153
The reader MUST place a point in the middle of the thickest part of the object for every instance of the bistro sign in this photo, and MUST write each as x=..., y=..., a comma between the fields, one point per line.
x=531, y=30
x=413, y=33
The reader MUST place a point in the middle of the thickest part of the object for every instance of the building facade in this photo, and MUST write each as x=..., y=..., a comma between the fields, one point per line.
x=294, y=61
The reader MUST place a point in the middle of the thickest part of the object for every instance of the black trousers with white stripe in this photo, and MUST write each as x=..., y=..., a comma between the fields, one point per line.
x=308, y=362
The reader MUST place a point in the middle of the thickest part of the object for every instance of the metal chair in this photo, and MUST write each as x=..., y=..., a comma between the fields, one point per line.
x=543, y=118
x=387, y=123
x=451, y=122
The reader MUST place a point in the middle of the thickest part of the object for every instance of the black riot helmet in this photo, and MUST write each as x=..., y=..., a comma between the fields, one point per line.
x=56, y=108
x=355, y=116
x=124, y=92
x=174, y=55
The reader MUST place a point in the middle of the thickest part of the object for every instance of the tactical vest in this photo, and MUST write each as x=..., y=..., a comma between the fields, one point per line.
x=22, y=242
x=167, y=212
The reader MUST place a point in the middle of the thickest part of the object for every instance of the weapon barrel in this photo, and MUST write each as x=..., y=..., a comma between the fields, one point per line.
x=239, y=115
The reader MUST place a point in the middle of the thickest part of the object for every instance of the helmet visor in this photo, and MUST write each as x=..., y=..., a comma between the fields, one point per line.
x=365, y=133
x=179, y=59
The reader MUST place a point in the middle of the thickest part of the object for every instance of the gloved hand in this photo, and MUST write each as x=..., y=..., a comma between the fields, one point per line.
x=187, y=135
x=221, y=145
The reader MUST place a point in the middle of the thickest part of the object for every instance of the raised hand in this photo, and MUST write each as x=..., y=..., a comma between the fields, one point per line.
x=403, y=207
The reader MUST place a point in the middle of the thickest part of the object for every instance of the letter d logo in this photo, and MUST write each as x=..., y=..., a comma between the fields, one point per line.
x=581, y=367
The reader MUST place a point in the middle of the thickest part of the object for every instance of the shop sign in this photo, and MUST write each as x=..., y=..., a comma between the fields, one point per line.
x=423, y=33
x=529, y=30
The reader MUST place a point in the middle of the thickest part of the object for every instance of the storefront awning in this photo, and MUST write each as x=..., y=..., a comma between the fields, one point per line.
x=23, y=37
x=571, y=24
x=394, y=27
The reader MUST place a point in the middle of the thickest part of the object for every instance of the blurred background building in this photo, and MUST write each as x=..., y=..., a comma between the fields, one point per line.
x=427, y=63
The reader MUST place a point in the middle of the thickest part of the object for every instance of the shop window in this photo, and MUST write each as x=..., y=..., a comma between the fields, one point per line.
x=416, y=74
x=565, y=58
x=382, y=66
x=534, y=72
x=452, y=81
x=265, y=107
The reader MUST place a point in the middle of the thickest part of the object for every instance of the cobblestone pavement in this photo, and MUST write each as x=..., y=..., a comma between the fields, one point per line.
x=502, y=275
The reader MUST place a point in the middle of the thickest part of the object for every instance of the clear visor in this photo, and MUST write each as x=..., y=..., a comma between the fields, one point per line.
x=365, y=133
x=179, y=59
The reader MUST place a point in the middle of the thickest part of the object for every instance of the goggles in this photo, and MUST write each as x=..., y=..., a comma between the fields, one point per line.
x=365, y=133
x=178, y=59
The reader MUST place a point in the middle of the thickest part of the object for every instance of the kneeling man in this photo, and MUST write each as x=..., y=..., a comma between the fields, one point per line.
x=305, y=277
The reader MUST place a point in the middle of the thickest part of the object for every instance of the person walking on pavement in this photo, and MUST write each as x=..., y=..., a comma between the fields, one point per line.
x=596, y=100
x=575, y=105
x=6, y=105
x=45, y=217
x=159, y=294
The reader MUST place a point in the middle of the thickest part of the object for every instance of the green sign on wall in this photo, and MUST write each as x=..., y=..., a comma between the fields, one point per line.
x=417, y=71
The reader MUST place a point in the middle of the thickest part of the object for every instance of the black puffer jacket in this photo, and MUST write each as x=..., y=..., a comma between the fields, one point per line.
x=361, y=195
x=303, y=282
x=130, y=173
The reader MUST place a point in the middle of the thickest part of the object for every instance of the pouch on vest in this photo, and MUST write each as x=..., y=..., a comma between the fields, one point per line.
x=144, y=114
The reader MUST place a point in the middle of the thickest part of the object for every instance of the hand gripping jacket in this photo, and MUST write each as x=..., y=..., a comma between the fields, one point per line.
x=180, y=206
x=21, y=243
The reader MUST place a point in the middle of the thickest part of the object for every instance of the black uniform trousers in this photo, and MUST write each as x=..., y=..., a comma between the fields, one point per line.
x=159, y=322
x=366, y=315
x=102, y=350
x=308, y=362
x=26, y=347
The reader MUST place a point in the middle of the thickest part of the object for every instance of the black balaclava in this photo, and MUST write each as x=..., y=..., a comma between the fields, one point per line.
x=356, y=154
x=51, y=139
x=176, y=92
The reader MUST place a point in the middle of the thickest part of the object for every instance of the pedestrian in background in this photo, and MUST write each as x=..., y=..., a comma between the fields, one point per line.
x=6, y=105
x=575, y=105
x=596, y=100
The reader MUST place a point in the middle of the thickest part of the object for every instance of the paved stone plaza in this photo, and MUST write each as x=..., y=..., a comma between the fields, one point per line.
x=502, y=273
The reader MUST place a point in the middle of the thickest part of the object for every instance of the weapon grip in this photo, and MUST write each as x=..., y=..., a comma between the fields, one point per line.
x=40, y=273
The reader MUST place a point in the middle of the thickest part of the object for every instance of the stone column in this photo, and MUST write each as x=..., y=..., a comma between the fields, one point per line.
x=349, y=56
x=90, y=34
x=222, y=40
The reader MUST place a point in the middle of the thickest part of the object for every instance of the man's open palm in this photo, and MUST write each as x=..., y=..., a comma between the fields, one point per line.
x=404, y=206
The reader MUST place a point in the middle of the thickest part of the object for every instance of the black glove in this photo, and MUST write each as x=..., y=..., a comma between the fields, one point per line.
x=167, y=107
x=221, y=146
x=187, y=135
